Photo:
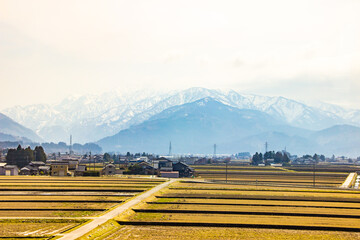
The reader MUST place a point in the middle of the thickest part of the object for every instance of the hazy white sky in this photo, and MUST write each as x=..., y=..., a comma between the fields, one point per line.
x=298, y=49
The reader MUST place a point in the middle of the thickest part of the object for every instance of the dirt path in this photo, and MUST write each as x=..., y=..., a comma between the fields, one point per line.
x=110, y=215
x=349, y=180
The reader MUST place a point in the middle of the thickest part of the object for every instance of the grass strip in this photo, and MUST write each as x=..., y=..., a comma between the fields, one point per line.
x=237, y=225
x=65, y=201
x=246, y=213
x=40, y=220
x=70, y=190
x=67, y=195
x=53, y=209
x=273, y=198
x=255, y=205
x=268, y=190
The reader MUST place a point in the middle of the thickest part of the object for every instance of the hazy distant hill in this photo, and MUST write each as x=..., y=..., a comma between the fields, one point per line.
x=12, y=131
x=92, y=117
x=195, y=127
x=10, y=138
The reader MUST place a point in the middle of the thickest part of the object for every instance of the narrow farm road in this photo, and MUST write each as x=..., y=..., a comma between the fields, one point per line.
x=110, y=215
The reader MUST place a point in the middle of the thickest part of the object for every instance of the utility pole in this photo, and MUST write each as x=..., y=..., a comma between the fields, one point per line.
x=153, y=168
x=94, y=164
x=89, y=160
x=314, y=172
x=226, y=164
x=70, y=147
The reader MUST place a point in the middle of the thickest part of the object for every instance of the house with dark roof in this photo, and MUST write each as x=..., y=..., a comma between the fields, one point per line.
x=44, y=170
x=183, y=169
x=32, y=168
x=163, y=164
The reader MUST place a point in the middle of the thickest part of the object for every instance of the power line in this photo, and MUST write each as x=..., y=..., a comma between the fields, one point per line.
x=70, y=147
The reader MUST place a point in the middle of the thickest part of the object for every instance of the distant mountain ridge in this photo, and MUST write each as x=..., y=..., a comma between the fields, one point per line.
x=93, y=117
x=195, y=127
x=13, y=131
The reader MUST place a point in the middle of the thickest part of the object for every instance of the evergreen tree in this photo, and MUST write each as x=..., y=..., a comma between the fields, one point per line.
x=256, y=159
x=286, y=159
x=107, y=157
x=316, y=158
x=19, y=157
x=278, y=157
x=40, y=155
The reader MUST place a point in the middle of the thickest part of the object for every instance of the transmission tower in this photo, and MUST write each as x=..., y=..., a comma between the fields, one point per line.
x=214, y=150
x=266, y=147
x=170, y=149
x=70, y=147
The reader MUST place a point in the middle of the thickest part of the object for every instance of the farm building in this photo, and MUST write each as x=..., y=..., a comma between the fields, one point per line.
x=79, y=171
x=163, y=164
x=72, y=163
x=44, y=170
x=8, y=170
x=148, y=168
x=183, y=169
x=59, y=169
x=29, y=170
x=32, y=168
x=109, y=169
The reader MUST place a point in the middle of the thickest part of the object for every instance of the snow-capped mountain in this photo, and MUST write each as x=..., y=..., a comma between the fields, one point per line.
x=194, y=128
x=91, y=117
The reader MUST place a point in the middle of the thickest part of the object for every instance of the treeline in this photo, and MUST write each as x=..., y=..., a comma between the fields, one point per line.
x=23, y=156
x=57, y=147
x=278, y=157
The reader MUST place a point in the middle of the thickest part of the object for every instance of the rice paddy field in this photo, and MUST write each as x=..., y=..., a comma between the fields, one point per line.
x=201, y=210
x=43, y=207
x=327, y=176
x=255, y=203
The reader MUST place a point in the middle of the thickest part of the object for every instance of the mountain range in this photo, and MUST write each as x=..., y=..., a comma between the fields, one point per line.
x=195, y=127
x=91, y=117
x=94, y=118
x=13, y=131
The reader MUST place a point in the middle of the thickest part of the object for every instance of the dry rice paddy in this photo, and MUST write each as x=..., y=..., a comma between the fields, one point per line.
x=43, y=207
x=191, y=210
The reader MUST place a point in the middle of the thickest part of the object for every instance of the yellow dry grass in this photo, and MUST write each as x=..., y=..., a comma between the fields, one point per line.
x=208, y=233
x=244, y=219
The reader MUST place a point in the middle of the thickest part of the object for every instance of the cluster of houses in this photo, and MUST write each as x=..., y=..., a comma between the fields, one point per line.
x=162, y=167
x=74, y=167
x=63, y=167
